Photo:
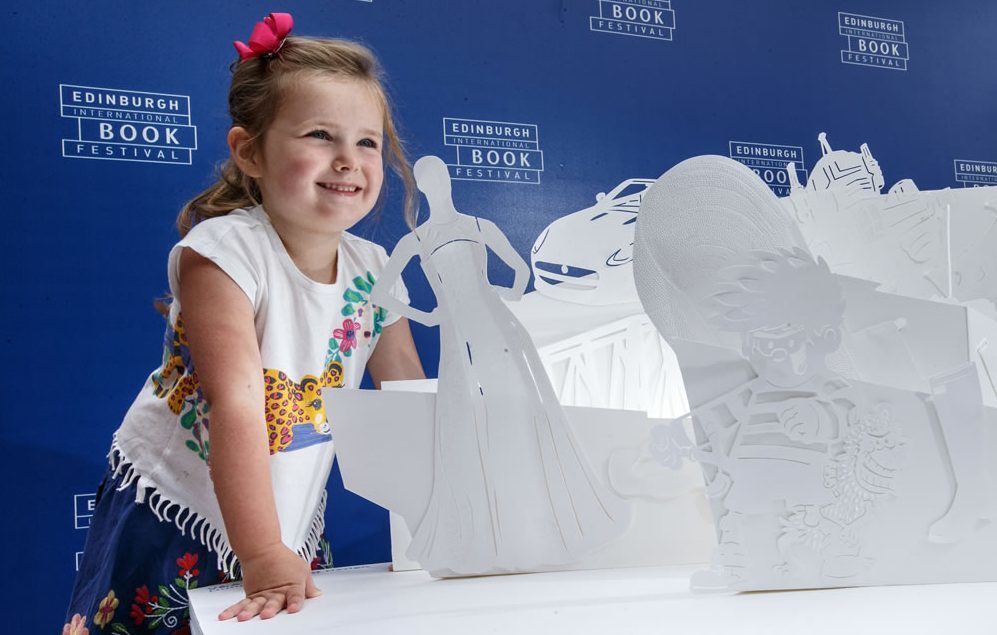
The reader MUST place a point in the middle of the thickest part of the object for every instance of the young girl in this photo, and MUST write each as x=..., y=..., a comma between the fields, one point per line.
x=271, y=309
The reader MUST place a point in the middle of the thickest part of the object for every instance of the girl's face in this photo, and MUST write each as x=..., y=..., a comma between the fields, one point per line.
x=320, y=166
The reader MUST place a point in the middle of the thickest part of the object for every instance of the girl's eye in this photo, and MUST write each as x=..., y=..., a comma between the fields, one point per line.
x=368, y=143
x=319, y=134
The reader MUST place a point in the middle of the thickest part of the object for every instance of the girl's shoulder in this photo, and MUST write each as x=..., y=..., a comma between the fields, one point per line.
x=362, y=252
x=244, y=222
x=238, y=243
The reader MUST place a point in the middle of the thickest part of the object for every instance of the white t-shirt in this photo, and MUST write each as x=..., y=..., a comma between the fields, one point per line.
x=312, y=337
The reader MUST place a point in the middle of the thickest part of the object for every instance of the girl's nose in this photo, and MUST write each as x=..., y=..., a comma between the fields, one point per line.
x=345, y=160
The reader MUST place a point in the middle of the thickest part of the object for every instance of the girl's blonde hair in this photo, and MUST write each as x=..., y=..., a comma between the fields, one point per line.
x=259, y=84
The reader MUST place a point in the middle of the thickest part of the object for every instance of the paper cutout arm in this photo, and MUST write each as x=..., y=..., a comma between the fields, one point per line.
x=499, y=244
x=406, y=249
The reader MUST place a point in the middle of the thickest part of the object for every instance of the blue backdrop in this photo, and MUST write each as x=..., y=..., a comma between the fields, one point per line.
x=590, y=92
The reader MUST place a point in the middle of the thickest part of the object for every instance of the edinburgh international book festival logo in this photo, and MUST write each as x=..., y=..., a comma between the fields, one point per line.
x=494, y=150
x=769, y=162
x=127, y=125
x=876, y=42
x=975, y=173
x=652, y=19
x=83, y=506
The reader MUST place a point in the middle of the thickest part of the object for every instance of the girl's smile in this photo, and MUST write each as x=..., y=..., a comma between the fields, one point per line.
x=343, y=189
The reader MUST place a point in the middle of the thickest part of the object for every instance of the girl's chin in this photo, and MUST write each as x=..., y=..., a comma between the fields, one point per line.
x=338, y=221
x=326, y=216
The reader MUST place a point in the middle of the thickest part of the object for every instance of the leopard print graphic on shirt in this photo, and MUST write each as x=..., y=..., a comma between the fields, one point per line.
x=286, y=402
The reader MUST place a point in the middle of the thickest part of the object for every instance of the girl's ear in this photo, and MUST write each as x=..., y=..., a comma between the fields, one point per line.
x=243, y=150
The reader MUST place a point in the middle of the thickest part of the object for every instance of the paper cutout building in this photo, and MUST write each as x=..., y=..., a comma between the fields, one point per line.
x=934, y=244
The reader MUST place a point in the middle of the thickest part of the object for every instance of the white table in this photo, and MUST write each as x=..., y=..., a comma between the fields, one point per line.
x=374, y=601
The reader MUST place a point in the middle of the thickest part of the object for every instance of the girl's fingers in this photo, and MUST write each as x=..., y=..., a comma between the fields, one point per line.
x=233, y=610
x=252, y=609
x=267, y=605
x=294, y=601
x=273, y=606
x=311, y=591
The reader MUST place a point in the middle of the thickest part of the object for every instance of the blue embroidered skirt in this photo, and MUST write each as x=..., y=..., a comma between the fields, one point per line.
x=136, y=569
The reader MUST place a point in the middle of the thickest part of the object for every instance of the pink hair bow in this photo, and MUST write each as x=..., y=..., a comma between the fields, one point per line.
x=268, y=36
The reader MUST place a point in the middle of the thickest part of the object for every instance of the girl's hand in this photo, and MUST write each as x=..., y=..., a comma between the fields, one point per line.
x=273, y=580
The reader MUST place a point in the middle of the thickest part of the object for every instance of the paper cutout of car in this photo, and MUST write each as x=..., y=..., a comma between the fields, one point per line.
x=587, y=256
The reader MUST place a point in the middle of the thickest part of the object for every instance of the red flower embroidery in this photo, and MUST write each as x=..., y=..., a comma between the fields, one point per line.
x=140, y=605
x=142, y=595
x=187, y=564
x=137, y=614
x=347, y=335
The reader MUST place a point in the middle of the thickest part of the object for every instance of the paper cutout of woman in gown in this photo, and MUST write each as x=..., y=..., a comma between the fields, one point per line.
x=511, y=489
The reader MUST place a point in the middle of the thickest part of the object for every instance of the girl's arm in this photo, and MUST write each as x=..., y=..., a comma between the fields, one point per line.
x=406, y=249
x=499, y=244
x=219, y=324
x=395, y=356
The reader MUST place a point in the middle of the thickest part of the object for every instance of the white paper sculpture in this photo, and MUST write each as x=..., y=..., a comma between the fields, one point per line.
x=841, y=429
x=584, y=257
x=600, y=350
x=384, y=444
x=843, y=170
x=597, y=344
x=511, y=491
x=933, y=244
